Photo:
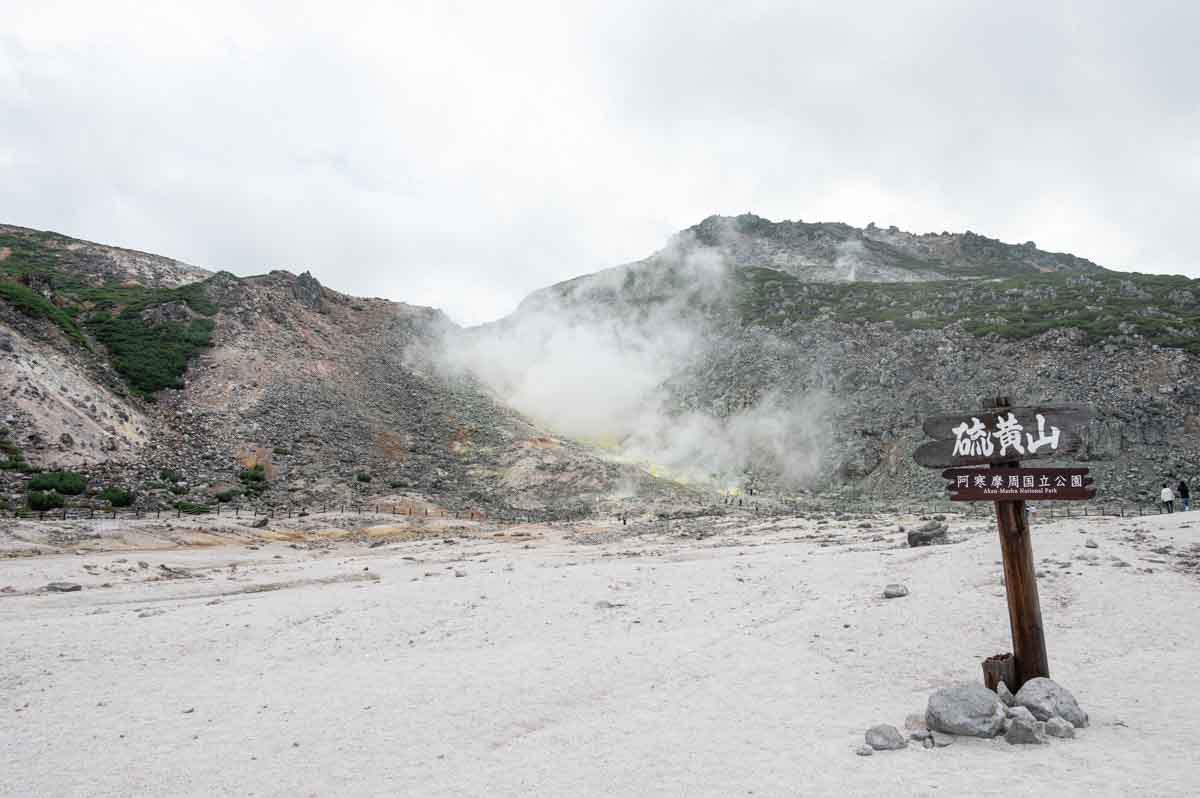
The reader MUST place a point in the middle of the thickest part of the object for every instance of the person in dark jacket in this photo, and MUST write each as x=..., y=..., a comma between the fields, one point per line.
x=1184, y=495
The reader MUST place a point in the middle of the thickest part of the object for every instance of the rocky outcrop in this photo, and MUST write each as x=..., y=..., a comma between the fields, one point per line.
x=307, y=291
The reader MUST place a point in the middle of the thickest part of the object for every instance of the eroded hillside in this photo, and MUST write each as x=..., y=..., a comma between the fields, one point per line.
x=268, y=390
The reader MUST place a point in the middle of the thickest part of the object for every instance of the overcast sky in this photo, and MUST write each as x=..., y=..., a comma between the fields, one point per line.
x=463, y=154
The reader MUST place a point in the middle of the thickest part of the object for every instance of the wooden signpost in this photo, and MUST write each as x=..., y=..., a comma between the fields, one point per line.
x=999, y=437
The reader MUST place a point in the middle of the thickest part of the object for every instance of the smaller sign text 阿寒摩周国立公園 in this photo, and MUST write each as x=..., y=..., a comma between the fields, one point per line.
x=1018, y=484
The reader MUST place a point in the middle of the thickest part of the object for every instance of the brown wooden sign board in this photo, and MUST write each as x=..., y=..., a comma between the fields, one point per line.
x=1018, y=484
x=1002, y=435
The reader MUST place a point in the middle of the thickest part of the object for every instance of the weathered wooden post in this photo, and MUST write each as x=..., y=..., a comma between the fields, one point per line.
x=1020, y=583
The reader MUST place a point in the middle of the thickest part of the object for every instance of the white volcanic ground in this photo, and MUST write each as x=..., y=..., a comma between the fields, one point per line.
x=570, y=661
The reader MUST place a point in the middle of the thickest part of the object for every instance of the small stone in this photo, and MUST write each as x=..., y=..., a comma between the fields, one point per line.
x=1091, y=544
x=1005, y=695
x=941, y=740
x=928, y=742
x=460, y=573
x=885, y=737
x=864, y=750
x=920, y=734
x=928, y=534
x=1024, y=732
x=895, y=591
x=1057, y=727
x=63, y=587
x=1046, y=698
x=1019, y=713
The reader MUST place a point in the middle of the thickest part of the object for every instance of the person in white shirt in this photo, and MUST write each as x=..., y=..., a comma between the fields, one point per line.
x=1168, y=498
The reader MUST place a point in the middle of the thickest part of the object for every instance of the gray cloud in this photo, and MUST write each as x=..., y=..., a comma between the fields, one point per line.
x=462, y=155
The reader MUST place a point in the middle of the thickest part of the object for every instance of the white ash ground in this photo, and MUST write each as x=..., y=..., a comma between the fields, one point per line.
x=695, y=658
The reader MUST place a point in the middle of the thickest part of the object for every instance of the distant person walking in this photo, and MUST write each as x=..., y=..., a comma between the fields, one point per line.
x=1185, y=496
x=1168, y=498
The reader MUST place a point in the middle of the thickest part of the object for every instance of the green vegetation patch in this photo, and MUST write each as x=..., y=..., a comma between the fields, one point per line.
x=149, y=357
x=36, y=306
x=1161, y=309
x=40, y=501
x=117, y=497
x=191, y=508
x=256, y=473
x=150, y=350
x=68, y=483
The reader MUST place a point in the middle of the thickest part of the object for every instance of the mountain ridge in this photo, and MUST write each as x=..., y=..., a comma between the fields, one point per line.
x=695, y=368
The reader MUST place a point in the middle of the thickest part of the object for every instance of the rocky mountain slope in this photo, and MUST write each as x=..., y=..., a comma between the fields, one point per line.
x=853, y=336
x=192, y=387
x=781, y=359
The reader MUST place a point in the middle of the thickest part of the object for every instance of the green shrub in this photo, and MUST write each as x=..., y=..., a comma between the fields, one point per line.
x=169, y=475
x=191, y=508
x=363, y=476
x=256, y=473
x=117, y=497
x=226, y=496
x=282, y=451
x=44, y=500
x=179, y=490
x=67, y=483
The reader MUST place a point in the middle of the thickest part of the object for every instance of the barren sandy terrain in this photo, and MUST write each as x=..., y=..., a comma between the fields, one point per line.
x=579, y=660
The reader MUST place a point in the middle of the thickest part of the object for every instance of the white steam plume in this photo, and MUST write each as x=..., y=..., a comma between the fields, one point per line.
x=600, y=359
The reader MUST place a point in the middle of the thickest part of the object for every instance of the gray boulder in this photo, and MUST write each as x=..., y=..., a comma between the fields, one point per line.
x=931, y=533
x=1046, y=698
x=1025, y=732
x=1057, y=727
x=971, y=710
x=885, y=737
x=1019, y=713
x=895, y=591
